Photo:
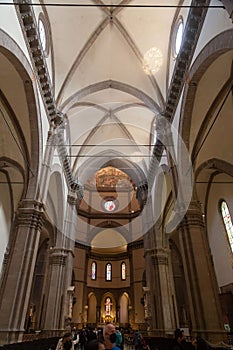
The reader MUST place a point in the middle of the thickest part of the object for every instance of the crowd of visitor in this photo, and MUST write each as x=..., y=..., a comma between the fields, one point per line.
x=112, y=338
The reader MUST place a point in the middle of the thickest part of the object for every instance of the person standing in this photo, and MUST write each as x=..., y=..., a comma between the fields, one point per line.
x=119, y=341
x=66, y=342
x=110, y=337
x=91, y=335
x=75, y=338
x=82, y=339
x=137, y=340
x=179, y=342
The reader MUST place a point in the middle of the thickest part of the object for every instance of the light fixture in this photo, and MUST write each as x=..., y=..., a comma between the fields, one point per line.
x=152, y=61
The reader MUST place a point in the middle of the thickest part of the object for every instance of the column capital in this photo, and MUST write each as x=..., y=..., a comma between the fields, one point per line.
x=158, y=251
x=193, y=216
x=160, y=256
x=58, y=256
x=30, y=213
x=160, y=260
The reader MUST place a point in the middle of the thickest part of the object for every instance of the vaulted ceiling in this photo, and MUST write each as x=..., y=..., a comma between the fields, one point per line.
x=102, y=82
x=113, y=70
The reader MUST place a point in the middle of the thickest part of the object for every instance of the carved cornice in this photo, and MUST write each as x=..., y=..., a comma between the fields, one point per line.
x=136, y=245
x=72, y=200
x=195, y=20
x=105, y=257
x=108, y=216
x=29, y=27
x=82, y=246
x=131, y=247
x=192, y=31
x=36, y=52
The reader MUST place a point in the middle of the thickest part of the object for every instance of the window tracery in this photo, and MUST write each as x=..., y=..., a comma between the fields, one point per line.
x=227, y=222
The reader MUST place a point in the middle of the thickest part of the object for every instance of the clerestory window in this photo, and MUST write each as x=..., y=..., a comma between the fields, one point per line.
x=227, y=222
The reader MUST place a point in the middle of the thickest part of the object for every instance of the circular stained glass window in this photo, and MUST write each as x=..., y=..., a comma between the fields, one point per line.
x=42, y=34
x=110, y=204
x=178, y=36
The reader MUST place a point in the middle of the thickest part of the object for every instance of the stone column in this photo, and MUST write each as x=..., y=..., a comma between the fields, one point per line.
x=69, y=243
x=147, y=306
x=55, y=297
x=151, y=288
x=61, y=265
x=160, y=314
x=200, y=276
x=18, y=276
x=165, y=314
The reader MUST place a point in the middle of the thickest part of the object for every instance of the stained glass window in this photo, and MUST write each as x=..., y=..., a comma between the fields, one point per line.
x=108, y=306
x=42, y=34
x=108, y=272
x=179, y=36
x=227, y=222
x=93, y=270
x=178, y=33
x=123, y=271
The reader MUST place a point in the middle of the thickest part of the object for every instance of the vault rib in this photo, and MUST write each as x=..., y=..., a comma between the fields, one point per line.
x=111, y=84
x=112, y=115
x=89, y=104
x=80, y=57
x=114, y=11
x=89, y=44
x=139, y=56
x=89, y=136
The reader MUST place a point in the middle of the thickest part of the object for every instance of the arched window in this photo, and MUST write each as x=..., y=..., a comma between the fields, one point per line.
x=178, y=36
x=123, y=271
x=108, y=306
x=227, y=222
x=108, y=272
x=93, y=270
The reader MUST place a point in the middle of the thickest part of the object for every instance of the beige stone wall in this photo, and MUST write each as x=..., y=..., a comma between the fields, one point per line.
x=137, y=273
